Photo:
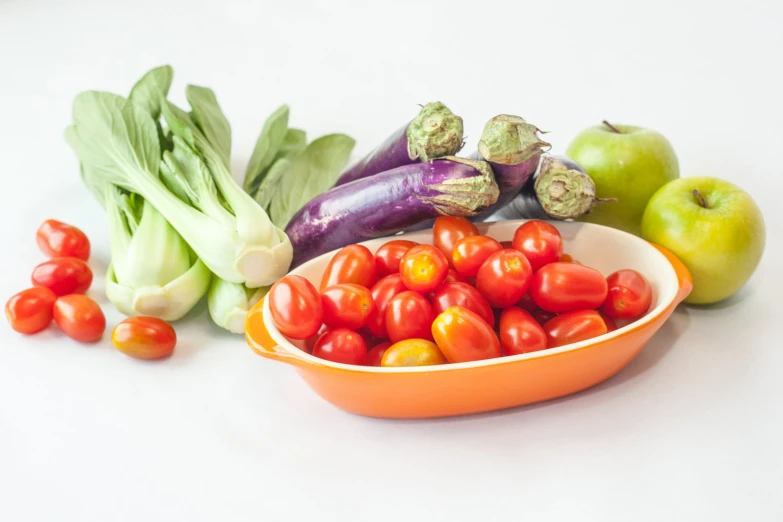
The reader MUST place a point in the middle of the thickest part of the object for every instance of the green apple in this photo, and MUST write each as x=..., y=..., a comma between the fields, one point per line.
x=626, y=163
x=714, y=227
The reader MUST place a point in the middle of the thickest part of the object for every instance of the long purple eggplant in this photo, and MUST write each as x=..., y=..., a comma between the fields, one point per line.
x=391, y=202
x=434, y=133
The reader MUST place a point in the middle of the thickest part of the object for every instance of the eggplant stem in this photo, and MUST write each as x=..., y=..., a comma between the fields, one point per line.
x=700, y=198
x=612, y=127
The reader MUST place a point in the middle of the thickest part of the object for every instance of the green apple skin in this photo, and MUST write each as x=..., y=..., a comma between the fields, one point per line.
x=721, y=245
x=628, y=166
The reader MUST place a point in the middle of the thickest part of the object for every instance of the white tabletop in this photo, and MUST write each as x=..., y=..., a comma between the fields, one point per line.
x=690, y=430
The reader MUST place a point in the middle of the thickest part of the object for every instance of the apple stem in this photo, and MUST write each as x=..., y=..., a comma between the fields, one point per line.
x=612, y=127
x=700, y=198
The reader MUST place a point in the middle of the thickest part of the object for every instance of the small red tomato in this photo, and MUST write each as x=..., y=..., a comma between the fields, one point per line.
x=464, y=295
x=79, y=317
x=520, y=333
x=542, y=316
x=527, y=304
x=375, y=355
x=144, y=338
x=353, y=264
x=611, y=326
x=387, y=258
x=309, y=343
x=504, y=278
x=341, y=345
x=382, y=292
x=629, y=295
x=409, y=316
x=346, y=306
x=296, y=307
x=30, y=310
x=63, y=275
x=540, y=242
x=454, y=277
x=423, y=268
x=412, y=352
x=464, y=336
x=447, y=230
x=565, y=287
x=471, y=252
x=573, y=327
x=56, y=239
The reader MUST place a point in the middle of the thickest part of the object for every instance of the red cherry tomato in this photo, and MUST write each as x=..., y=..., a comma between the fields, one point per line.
x=454, y=277
x=527, y=304
x=375, y=355
x=346, y=306
x=540, y=242
x=471, y=252
x=423, y=268
x=464, y=336
x=412, y=352
x=629, y=296
x=573, y=327
x=144, y=338
x=611, y=326
x=447, y=230
x=341, y=345
x=520, y=332
x=63, y=275
x=464, y=295
x=504, y=278
x=387, y=258
x=382, y=292
x=296, y=307
x=409, y=316
x=353, y=264
x=30, y=310
x=56, y=239
x=542, y=316
x=565, y=287
x=309, y=343
x=79, y=317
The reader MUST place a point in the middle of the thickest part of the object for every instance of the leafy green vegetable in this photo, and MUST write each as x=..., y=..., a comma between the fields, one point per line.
x=210, y=120
x=148, y=93
x=272, y=137
x=268, y=189
x=294, y=142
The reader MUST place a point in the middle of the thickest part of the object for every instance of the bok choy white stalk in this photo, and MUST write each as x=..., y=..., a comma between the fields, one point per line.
x=229, y=303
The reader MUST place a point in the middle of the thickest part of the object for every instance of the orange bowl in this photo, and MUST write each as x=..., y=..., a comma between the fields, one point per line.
x=492, y=384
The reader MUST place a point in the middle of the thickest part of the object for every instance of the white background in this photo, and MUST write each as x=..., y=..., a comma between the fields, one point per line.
x=691, y=430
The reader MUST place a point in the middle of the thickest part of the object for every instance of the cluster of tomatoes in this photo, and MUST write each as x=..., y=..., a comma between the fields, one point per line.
x=465, y=298
x=59, y=285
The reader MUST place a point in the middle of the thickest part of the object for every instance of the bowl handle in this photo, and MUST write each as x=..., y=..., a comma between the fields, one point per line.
x=259, y=339
x=683, y=275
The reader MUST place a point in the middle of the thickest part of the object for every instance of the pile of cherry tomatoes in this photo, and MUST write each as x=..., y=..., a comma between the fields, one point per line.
x=465, y=298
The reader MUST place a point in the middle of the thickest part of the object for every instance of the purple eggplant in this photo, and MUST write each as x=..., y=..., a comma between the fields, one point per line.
x=391, y=202
x=434, y=133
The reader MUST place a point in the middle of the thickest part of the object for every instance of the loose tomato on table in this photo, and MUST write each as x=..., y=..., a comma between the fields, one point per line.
x=520, y=333
x=382, y=292
x=470, y=253
x=341, y=345
x=504, y=278
x=409, y=316
x=63, y=276
x=462, y=336
x=57, y=239
x=79, y=317
x=412, y=352
x=539, y=241
x=296, y=307
x=573, y=327
x=375, y=354
x=30, y=311
x=352, y=264
x=447, y=230
x=346, y=306
x=144, y=338
x=387, y=258
x=566, y=287
x=423, y=268
x=462, y=294
x=629, y=295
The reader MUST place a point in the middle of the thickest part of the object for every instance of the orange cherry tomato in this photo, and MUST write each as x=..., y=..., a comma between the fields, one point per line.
x=382, y=292
x=464, y=336
x=63, y=276
x=341, y=345
x=79, y=317
x=470, y=253
x=520, y=332
x=504, y=278
x=346, y=306
x=375, y=355
x=566, y=258
x=409, y=316
x=423, y=268
x=144, y=338
x=353, y=264
x=447, y=230
x=412, y=352
x=629, y=295
x=611, y=326
x=539, y=241
x=387, y=258
x=573, y=327
x=30, y=311
x=296, y=307
x=566, y=287
x=464, y=295
x=57, y=239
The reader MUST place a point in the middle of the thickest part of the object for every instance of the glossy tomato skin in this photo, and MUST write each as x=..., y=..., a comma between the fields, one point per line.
x=387, y=258
x=30, y=311
x=611, y=326
x=504, y=278
x=447, y=230
x=144, y=338
x=409, y=316
x=573, y=327
x=470, y=253
x=423, y=268
x=63, y=276
x=566, y=287
x=382, y=292
x=464, y=336
x=412, y=352
x=539, y=241
x=57, y=239
x=375, y=354
x=352, y=264
x=296, y=307
x=346, y=306
x=79, y=317
x=464, y=295
x=520, y=332
x=341, y=345
x=629, y=295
